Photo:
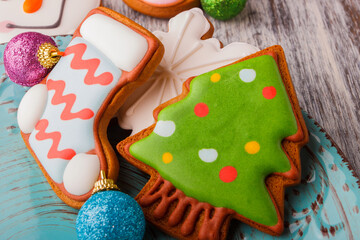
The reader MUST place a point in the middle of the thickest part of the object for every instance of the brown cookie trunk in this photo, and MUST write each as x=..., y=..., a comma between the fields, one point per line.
x=165, y=203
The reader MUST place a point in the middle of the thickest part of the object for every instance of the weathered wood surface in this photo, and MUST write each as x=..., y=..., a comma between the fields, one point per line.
x=321, y=40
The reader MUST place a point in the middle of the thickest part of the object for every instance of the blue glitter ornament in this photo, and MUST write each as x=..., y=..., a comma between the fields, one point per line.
x=110, y=214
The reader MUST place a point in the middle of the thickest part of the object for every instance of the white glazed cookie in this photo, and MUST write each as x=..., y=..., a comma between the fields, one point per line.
x=50, y=17
x=186, y=55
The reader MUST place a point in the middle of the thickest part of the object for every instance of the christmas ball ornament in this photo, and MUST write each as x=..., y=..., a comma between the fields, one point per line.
x=110, y=214
x=29, y=57
x=223, y=9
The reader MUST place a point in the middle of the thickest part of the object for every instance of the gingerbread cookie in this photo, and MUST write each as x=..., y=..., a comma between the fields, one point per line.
x=224, y=149
x=162, y=8
x=64, y=119
x=189, y=51
x=44, y=16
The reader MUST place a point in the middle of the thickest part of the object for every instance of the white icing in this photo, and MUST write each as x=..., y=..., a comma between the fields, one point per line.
x=164, y=128
x=32, y=107
x=125, y=47
x=81, y=173
x=208, y=155
x=74, y=12
x=186, y=55
x=56, y=167
x=247, y=75
x=76, y=134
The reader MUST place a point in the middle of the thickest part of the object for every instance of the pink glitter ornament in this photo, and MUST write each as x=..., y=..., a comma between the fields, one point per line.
x=26, y=55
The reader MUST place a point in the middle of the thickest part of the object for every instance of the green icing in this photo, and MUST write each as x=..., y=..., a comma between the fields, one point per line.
x=238, y=113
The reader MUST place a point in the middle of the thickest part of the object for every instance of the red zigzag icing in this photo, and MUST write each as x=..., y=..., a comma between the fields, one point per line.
x=69, y=100
x=66, y=154
x=90, y=64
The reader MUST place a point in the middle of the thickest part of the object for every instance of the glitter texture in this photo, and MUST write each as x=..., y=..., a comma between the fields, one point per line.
x=110, y=215
x=223, y=9
x=20, y=58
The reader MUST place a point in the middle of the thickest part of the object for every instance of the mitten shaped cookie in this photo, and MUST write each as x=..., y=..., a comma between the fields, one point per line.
x=64, y=119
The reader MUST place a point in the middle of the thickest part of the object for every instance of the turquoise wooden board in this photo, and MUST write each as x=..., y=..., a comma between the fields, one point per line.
x=324, y=206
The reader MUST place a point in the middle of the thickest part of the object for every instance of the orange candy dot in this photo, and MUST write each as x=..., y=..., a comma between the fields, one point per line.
x=215, y=77
x=167, y=158
x=252, y=147
x=31, y=6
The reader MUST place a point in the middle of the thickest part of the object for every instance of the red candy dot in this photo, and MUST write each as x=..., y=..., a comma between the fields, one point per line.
x=269, y=92
x=201, y=110
x=228, y=174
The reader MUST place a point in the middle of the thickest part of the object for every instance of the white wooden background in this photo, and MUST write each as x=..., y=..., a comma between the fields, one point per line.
x=321, y=39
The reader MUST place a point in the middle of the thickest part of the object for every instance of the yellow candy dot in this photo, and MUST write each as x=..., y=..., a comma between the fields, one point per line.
x=167, y=158
x=215, y=77
x=252, y=147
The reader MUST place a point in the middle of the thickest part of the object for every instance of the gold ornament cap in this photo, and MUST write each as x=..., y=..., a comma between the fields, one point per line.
x=104, y=184
x=48, y=55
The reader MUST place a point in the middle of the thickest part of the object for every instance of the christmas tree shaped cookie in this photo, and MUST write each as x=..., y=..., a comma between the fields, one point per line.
x=223, y=149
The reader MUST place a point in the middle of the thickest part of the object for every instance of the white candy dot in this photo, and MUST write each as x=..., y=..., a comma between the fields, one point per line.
x=208, y=155
x=164, y=128
x=81, y=173
x=247, y=75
